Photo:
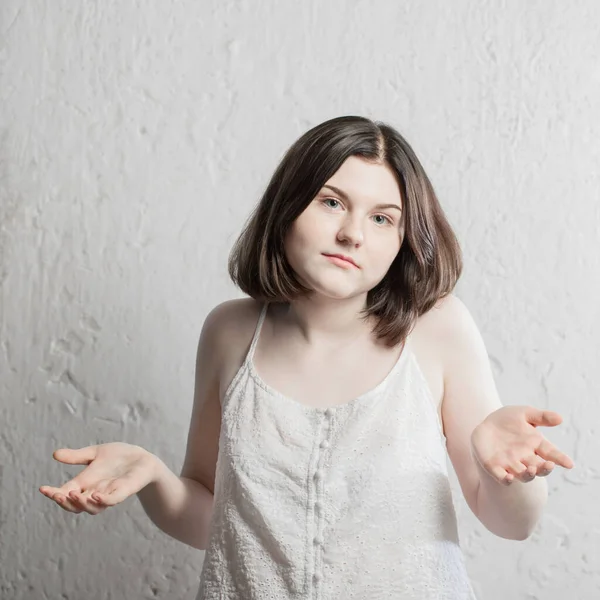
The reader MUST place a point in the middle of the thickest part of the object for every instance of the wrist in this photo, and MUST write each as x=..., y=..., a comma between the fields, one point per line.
x=157, y=468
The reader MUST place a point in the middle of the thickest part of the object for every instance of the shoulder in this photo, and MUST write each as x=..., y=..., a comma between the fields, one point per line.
x=231, y=314
x=443, y=338
x=446, y=313
x=435, y=329
x=431, y=341
x=230, y=326
x=468, y=380
x=231, y=320
x=458, y=334
x=448, y=324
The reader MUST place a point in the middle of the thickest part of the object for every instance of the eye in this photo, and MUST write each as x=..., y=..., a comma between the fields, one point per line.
x=329, y=200
x=389, y=221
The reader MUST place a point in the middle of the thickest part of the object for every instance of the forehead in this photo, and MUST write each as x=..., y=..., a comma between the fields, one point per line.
x=362, y=179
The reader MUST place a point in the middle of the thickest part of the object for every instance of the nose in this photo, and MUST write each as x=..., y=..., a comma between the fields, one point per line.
x=351, y=233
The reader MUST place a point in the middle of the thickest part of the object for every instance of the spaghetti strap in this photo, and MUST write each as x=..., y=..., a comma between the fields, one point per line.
x=257, y=330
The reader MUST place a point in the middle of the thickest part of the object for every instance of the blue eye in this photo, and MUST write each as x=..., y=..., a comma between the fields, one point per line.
x=386, y=218
x=325, y=200
x=330, y=200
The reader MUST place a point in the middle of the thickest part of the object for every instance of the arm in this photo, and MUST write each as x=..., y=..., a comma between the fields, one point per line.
x=470, y=396
x=179, y=506
x=182, y=506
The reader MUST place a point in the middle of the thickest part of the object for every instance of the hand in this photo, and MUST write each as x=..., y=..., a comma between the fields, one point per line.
x=508, y=445
x=115, y=471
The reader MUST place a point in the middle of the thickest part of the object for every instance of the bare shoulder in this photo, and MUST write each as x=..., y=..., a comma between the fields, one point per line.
x=233, y=323
x=444, y=323
x=231, y=315
x=450, y=325
x=432, y=341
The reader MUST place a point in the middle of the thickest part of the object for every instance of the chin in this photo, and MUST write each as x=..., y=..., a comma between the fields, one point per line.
x=335, y=292
x=328, y=285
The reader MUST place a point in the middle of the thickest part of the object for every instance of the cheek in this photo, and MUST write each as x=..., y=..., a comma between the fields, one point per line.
x=306, y=230
x=295, y=240
x=388, y=247
x=395, y=250
x=384, y=258
x=297, y=243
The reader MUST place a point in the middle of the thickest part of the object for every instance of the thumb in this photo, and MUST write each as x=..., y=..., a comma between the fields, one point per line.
x=81, y=456
x=545, y=418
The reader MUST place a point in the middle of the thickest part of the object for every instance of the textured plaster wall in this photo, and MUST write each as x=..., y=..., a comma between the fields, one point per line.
x=136, y=138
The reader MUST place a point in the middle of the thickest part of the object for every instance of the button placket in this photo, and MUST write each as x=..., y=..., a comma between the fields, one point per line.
x=318, y=478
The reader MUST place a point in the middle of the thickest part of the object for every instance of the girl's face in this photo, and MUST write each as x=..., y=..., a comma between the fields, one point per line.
x=356, y=213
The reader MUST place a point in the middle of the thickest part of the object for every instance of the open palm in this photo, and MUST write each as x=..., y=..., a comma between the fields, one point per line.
x=114, y=472
x=508, y=444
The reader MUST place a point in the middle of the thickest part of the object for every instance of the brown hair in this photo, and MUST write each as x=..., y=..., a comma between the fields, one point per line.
x=428, y=264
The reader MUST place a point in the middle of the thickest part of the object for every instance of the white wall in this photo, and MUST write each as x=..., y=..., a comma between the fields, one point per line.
x=135, y=139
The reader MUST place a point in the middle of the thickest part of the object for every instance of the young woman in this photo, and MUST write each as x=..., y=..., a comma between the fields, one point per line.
x=326, y=401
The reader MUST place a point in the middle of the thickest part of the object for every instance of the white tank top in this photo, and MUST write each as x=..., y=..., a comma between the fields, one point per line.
x=351, y=502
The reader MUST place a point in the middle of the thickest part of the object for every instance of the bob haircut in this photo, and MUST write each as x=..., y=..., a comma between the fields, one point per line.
x=428, y=264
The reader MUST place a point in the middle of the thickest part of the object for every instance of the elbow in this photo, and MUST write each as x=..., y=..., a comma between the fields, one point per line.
x=520, y=537
x=525, y=535
x=515, y=534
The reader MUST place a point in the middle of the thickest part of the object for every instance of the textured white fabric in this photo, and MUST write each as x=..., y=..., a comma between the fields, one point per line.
x=350, y=502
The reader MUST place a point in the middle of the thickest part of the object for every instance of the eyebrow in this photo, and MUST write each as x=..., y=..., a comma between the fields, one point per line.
x=346, y=197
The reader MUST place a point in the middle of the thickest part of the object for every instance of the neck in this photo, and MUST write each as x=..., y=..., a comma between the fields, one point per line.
x=327, y=321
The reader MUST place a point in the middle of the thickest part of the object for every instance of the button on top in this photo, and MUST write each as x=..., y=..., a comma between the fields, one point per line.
x=317, y=576
x=318, y=474
x=318, y=540
x=324, y=444
x=328, y=412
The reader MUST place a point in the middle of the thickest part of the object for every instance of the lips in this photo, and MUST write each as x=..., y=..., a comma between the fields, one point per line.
x=342, y=257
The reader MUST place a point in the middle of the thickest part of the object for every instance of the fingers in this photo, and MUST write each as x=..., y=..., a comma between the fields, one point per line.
x=61, y=496
x=92, y=501
x=531, y=467
x=550, y=453
x=501, y=474
x=66, y=503
x=517, y=470
x=85, y=502
x=539, y=466
x=81, y=456
x=104, y=494
x=543, y=418
x=546, y=468
x=523, y=470
x=114, y=495
x=528, y=469
x=72, y=498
